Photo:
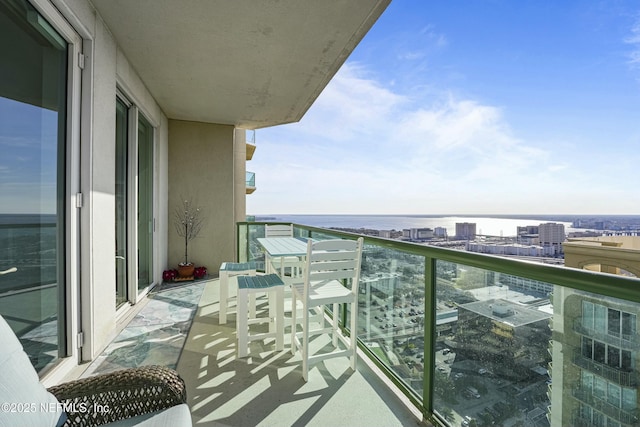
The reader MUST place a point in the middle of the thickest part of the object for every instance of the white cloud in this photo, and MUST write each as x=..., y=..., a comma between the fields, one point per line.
x=634, y=41
x=363, y=148
x=353, y=103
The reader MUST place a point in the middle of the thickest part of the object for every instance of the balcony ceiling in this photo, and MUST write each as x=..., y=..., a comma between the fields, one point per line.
x=246, y=63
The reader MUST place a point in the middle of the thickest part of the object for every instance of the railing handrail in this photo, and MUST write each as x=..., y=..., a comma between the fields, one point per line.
x=601, y=283
x=618, y=375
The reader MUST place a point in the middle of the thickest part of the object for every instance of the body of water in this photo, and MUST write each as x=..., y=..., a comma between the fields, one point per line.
x=489, y=225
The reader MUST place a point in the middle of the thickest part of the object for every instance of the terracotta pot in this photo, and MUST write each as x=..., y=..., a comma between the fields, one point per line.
x=186, y=270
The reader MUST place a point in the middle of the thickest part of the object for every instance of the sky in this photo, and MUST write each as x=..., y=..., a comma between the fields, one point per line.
x=469, y=107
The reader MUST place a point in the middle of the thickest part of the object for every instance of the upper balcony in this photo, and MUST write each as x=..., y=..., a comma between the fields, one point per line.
x=251, y=143
x=251, y=182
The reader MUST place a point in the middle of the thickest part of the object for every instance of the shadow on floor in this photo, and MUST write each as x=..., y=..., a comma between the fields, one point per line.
x=266, y=388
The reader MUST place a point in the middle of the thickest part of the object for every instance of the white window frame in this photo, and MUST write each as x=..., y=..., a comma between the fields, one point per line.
x=73, y=197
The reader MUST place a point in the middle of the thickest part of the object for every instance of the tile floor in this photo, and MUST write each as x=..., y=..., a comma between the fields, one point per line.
x=157, y=334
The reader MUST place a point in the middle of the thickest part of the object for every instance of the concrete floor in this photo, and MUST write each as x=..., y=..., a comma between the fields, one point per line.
x=266, y=388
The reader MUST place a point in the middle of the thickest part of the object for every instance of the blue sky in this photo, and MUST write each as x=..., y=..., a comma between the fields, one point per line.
x=474, y=107
x=28, y=165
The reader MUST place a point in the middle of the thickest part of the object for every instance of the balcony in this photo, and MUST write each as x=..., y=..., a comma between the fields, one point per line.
x=625, y=416
x=404, y=370
x=251, y=143
x=251, y=182
x=616, y=375
x=624, y=341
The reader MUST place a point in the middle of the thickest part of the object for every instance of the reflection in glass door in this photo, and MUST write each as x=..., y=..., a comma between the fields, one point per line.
x=33, y=87
x=121, y=195
x=145, y=203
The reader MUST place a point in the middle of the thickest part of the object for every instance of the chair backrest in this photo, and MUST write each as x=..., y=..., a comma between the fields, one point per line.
x=278, y=230
x=20, y=387
x=334, y=260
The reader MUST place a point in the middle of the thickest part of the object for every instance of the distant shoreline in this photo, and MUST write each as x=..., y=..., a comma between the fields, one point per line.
x=498, y=225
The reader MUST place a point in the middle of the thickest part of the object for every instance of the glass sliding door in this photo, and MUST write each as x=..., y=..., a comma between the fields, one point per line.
x=33, y=87
x=121, y=198
x=145, y=203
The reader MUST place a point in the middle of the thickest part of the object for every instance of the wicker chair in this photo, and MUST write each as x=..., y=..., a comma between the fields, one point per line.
x=123, y=394
x=145, y=396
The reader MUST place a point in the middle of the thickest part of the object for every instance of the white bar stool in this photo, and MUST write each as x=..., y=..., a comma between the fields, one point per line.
x=228, y=270
x=249, y=286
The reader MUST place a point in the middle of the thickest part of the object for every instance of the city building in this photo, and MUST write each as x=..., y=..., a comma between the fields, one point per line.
x=529, y=239
x=552, y=235
x=505, y=335
x=417, y=234
x=595, y=346
x=512, y=249
x=528, y=229
x=525, y=285
x=440, y=232
x=387, y=234
x=128, y=112
x=465, y=230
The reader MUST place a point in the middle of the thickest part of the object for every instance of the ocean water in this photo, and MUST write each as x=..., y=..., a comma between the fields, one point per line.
x=29, y=243
x=490, y=225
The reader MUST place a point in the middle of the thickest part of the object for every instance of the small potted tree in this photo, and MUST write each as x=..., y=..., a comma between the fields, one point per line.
x=188, y=222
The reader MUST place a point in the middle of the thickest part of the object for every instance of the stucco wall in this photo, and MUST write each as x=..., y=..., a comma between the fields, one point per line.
x=201, y=167
x=101, y=198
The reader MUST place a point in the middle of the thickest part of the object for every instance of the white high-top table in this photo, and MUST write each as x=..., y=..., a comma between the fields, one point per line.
x=281, y=247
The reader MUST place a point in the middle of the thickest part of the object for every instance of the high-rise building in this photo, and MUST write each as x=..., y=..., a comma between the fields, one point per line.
x=440, y=232
x=596, y=343
x=552, y=236
x=465, y=230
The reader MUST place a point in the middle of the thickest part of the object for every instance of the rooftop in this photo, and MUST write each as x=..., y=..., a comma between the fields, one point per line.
x=507, y=312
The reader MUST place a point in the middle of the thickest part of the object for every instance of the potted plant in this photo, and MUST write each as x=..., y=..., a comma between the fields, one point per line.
x=188, y=222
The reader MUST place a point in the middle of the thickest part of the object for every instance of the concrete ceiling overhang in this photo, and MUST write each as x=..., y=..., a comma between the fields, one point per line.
x=248, y=63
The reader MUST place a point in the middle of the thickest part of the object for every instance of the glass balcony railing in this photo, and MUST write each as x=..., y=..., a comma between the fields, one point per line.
x=476, y=339
x=251, y=180
x=250, y=136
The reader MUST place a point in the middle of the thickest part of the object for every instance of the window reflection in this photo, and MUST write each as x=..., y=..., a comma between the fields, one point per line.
x=32, y=185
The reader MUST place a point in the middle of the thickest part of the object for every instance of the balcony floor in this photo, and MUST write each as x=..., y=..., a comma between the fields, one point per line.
x=266, y=388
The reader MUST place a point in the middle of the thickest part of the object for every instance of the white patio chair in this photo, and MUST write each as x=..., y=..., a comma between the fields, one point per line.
x=331, y=276
x=278, y=230
x=229, y=270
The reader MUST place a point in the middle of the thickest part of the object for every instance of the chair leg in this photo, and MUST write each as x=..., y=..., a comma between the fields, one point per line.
x=279, y=317
x=271, y=295
x=252, y=305
x=224, y=296
x=294, y=323
x=334, y=332
x=305, y=344
x=354, y=334
x=242, y=331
